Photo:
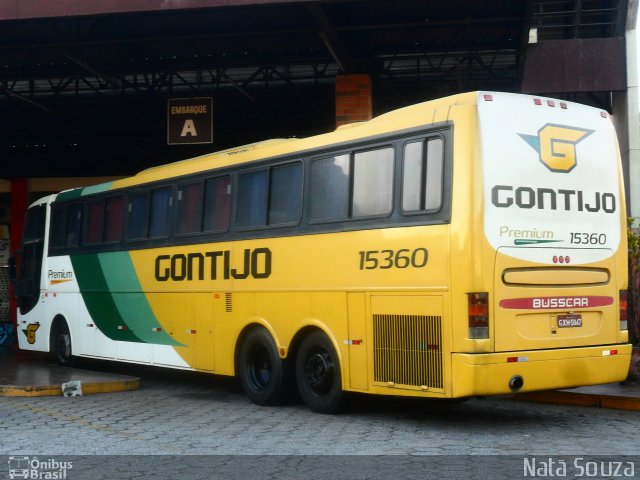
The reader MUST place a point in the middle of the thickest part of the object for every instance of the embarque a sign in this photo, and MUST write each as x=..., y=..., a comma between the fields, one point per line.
x=189, y=120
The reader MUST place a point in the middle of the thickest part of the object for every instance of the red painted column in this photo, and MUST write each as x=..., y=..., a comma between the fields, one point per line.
x=353, y=99
x=19, y=204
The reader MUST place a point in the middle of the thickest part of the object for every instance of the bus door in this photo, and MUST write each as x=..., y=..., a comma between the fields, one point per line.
x=30, y=269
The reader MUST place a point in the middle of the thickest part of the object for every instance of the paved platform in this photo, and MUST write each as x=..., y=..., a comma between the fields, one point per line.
x=614, y=395
x=30, y=374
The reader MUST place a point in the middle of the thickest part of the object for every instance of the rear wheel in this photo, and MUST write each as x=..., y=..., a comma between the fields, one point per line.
x=61, y=342
x=318, y=374
x=263, y=374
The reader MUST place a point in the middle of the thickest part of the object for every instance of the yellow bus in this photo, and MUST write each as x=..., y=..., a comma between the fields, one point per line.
x=471, y=245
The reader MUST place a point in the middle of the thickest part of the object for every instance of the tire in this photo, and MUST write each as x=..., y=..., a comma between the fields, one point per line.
x=61, y=343
x=318, y=374
x=263, y=374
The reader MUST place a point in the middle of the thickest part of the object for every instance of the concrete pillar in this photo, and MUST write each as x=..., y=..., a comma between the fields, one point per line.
x=353, y=99
x=18, y=209
x=631, y=151
x=630, y=139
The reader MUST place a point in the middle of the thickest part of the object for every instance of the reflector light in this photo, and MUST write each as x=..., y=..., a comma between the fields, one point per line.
x=563, y=105
x=478, y=312
x=517, y=359
x=551, y=103
x=624, y=313
x=607, y=353
x=603, y=114
x=121, y=327
x=488, y=98
x=537, y=101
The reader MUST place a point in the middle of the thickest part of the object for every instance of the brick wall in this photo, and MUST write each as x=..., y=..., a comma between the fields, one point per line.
x=353, y=98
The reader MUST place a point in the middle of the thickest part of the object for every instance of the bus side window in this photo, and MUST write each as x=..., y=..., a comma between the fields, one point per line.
x=285, y=189
x=217, y=204
x=74, y=225
x=352, y=185
x=251, y=207
x=373, y=183
x=138, y=217
x=190, y=200
x=423, y=176
x=95, y=222
x=58, y=227
x=160, y=217
x=330, y=188
x=114, y=219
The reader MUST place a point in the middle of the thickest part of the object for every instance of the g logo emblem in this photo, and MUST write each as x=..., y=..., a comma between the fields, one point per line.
x=30, y=332
x=556, y=145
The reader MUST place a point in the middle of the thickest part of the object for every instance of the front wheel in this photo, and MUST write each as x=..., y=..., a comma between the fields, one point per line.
x=62, y=350
x=263, y=374
x=318, y=374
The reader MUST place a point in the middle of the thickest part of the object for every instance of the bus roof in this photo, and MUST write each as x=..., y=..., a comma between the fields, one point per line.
x=404, y=118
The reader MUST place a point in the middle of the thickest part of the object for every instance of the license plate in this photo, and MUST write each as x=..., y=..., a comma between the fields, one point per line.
x=568, y=321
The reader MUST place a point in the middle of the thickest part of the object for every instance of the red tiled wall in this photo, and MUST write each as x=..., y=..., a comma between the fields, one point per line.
x=353, y=98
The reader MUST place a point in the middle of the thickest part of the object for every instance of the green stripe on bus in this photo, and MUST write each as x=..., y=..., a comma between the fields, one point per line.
x=132, y=304
x=98, y=299
x=81, y=192
x=69, y=195
x=101, y=187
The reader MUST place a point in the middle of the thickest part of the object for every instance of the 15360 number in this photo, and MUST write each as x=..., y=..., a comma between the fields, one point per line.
x=385, y=259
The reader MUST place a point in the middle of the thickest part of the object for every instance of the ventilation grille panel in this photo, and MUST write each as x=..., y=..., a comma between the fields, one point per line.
x=228, y=302
x=408, y=350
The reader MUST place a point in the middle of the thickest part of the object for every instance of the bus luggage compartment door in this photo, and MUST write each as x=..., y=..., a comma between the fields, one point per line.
x=546, y=306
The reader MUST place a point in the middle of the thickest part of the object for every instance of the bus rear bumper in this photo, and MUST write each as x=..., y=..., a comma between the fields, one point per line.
x=494, y=373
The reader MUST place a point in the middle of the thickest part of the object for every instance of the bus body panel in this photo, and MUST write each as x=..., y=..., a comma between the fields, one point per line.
x=393, y=301
x=489, y=374
x=554, y=214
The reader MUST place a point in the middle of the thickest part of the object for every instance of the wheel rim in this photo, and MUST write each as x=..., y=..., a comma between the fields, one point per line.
x=64, y=346
x=259, y=367
x=319, y=370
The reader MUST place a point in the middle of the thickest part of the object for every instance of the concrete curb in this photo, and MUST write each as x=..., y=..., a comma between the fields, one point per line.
x=563, y=397
x=56, y=390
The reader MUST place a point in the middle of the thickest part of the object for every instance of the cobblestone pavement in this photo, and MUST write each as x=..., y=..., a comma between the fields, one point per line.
x=182, y=413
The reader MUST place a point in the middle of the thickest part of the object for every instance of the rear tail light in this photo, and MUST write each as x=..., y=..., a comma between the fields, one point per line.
x=478, y=315
x=623, y=310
